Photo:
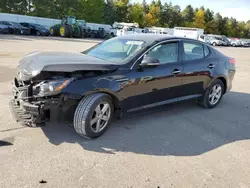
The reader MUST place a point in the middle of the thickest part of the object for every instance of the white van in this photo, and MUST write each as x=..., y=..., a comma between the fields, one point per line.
x=123, y=28
x=188, y=32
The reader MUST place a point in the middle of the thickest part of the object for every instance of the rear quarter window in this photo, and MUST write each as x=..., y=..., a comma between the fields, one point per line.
x=206, y=51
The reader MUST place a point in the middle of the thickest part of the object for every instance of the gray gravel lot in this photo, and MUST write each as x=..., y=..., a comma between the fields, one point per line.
x=180, y=146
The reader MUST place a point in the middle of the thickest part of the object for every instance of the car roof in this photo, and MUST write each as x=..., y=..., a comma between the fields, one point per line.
x=150, y=38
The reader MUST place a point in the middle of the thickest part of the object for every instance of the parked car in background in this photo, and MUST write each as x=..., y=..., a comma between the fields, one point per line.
x=36, y=29
x=215, y=40
x=4, y=29
x=235, y=42
x=16, y=28
x=245, y=42
x=226, y=41
x=11, y=29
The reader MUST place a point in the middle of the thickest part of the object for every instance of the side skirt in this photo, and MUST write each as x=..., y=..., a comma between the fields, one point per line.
x=165, y=102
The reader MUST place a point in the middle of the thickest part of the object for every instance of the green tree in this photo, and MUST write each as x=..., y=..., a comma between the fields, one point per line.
x=219, y=23
x=91, y=10
x=199, y=20
x=210, y=23
x=209, y=15
x=155, y=11
x=14, y=6
x=121, y=7
x=171, y=15
x=109, y=12
x=136, y=14
x=188, y=15
x=145, y=7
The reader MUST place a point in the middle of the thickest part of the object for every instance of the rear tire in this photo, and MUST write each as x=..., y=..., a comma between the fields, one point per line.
x=90, y=118
x=38, y=33
x=210, y=98
x=64, y=31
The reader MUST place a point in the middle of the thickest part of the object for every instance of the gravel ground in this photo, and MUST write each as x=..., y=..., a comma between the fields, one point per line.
x=181, y=146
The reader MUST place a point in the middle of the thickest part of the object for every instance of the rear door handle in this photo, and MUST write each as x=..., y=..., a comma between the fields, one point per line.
x=211, y=66
x=176, y=71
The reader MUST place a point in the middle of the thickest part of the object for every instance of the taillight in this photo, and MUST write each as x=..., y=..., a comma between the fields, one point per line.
x=232, y=61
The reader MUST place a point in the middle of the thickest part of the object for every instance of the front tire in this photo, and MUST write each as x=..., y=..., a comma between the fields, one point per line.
x=93, y=115
x=213, y=95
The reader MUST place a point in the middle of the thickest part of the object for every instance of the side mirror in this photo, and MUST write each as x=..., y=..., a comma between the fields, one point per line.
x=149, y=62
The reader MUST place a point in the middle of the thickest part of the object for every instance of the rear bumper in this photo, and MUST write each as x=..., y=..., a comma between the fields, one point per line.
x=230, y=80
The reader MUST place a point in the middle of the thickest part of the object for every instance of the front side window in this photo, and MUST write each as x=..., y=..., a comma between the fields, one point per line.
x=16, y=24
x=116, y=50
x=165, y=53
x=193, y=51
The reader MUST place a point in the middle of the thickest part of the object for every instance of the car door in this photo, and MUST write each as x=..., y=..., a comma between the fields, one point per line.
x=154, y=85
x=198, y=67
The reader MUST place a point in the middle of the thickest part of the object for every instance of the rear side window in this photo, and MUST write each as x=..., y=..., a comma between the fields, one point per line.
x=193, y=51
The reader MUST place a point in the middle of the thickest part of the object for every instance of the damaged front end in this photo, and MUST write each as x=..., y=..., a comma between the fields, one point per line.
x=42, y=78
x=36, y=99
x=32, y=102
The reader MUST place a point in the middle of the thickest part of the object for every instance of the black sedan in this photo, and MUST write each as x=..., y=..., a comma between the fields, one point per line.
x=120, y=75
x=4, y=29
x=36, y=29
x=16, y=28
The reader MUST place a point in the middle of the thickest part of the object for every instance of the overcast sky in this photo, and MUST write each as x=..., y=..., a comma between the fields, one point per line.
x=239, y=9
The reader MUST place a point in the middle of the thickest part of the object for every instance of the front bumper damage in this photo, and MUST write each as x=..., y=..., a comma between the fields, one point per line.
x=33, y=111
x=24, y=109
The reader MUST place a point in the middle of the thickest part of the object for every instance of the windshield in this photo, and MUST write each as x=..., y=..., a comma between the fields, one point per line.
x=71, y=21
x=218, y=38
x=16, y=24
x=116, y=50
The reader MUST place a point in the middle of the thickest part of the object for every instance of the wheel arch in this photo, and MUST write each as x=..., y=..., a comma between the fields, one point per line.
x=115, y=98
x=223, y=79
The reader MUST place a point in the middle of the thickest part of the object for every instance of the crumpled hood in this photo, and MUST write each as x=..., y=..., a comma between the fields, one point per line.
x=32, y=64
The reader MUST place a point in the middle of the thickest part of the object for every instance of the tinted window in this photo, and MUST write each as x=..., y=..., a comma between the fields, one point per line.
x=116, y=50
x=193, y=51
x=130, y=29
x=165, y=53
x=24, y=24
x=206, y=50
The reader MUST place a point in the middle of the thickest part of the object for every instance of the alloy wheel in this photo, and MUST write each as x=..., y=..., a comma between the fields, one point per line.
x=215, y=94
x=100, y=117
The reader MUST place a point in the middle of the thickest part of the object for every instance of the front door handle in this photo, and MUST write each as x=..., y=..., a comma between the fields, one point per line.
x=211, y=66
x=176, y=71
